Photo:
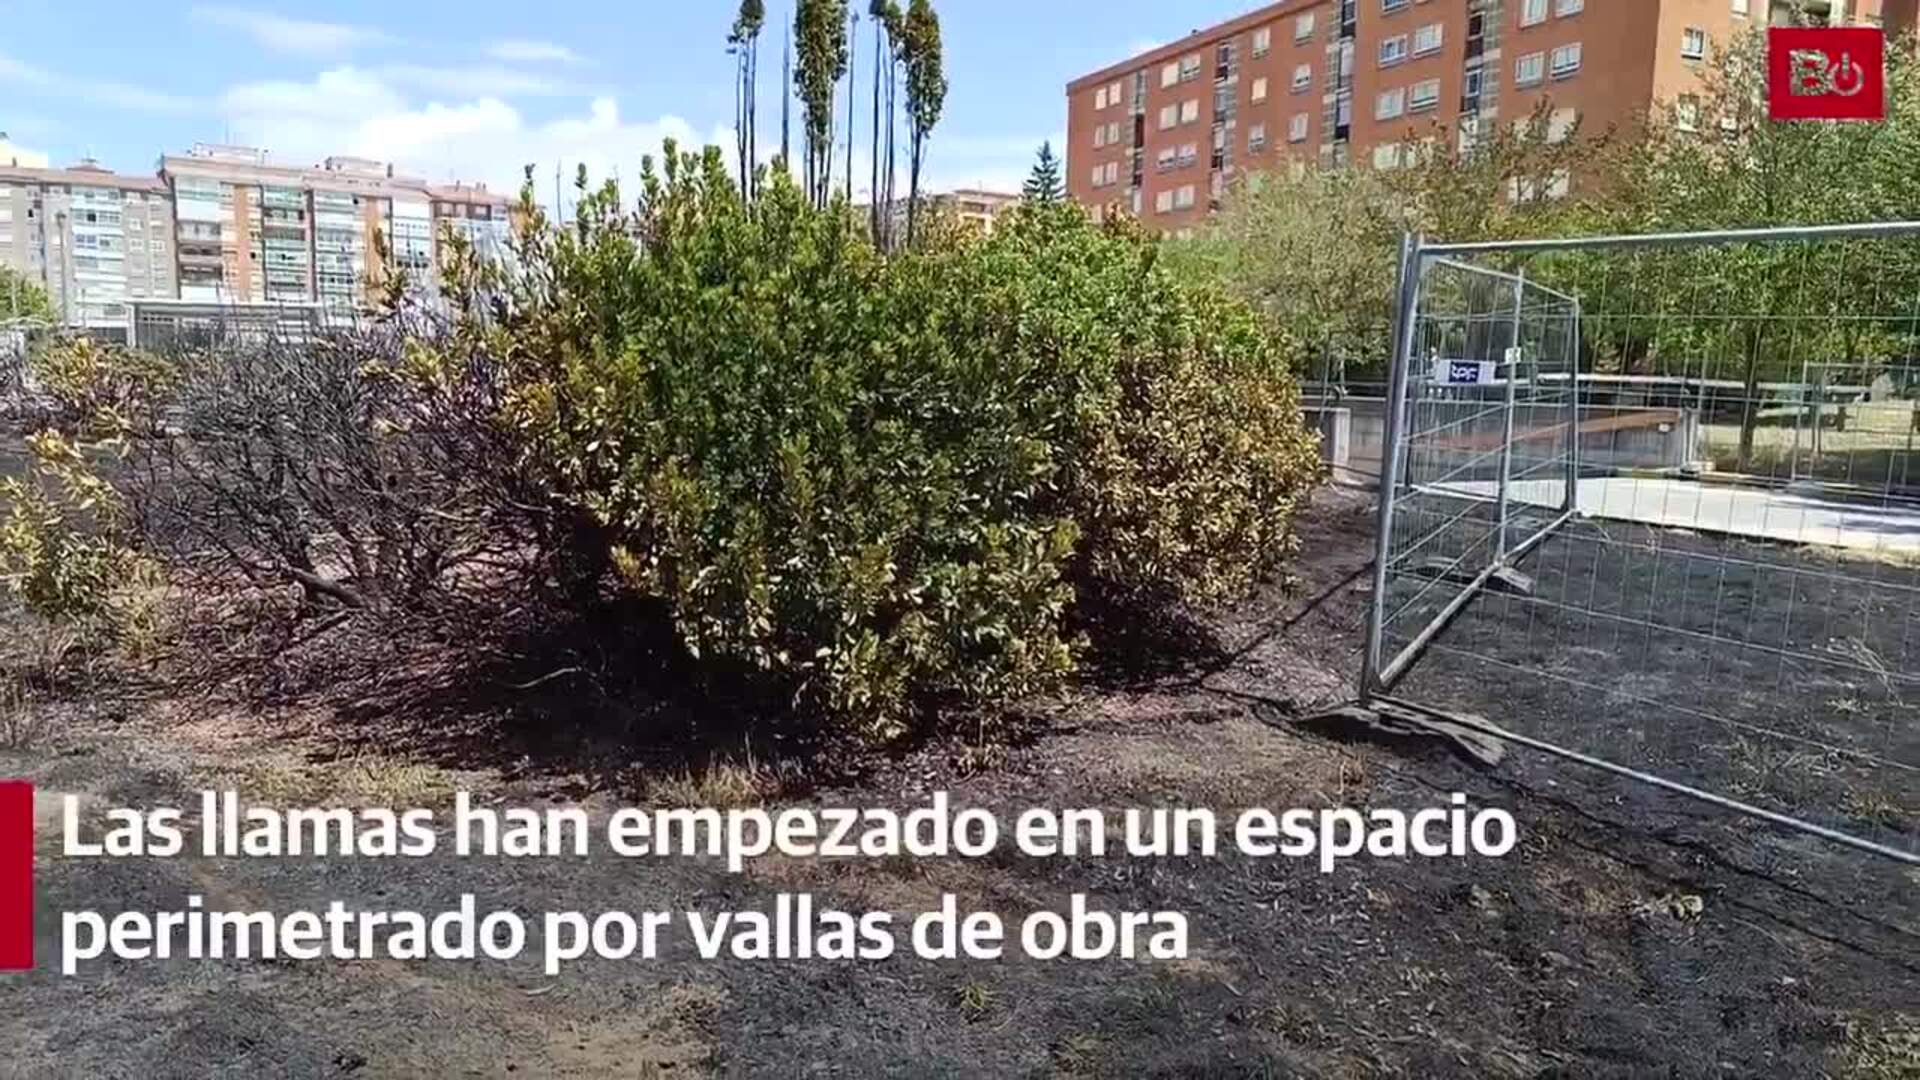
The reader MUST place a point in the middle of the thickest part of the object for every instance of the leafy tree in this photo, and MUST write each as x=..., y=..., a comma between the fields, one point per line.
x=1044, y=185
x=885, y=15
x=1717, y=161
x=926, y=94
x=22, y=298
x=744, y=43
x=820, y=29
x=1317, y=252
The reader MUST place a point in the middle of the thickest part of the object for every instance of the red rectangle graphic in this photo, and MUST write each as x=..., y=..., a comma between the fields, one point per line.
x=1826, y=73
x=16, y=875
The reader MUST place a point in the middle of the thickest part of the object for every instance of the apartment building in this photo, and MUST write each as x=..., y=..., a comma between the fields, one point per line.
x=94, y=239
x=973, y=208
x=253, y=231
x=1336, y=82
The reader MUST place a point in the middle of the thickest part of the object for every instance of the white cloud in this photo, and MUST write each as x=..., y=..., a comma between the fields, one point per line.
x=477, y=81
x=25, y=157
x=520, y=51
x=392, y=114
x=288, y=35
x=349, y=110
x=110, y=92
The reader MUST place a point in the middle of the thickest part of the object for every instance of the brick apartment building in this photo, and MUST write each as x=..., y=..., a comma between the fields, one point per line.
x=1355, y=81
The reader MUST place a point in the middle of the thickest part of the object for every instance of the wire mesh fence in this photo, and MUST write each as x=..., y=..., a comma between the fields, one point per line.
x=1732, y=604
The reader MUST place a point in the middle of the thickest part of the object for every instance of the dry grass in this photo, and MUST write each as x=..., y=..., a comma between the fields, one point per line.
x=976, y=1001
x=722, y=785
x=1884, y=1048
x=23, y=721
x=364, y=781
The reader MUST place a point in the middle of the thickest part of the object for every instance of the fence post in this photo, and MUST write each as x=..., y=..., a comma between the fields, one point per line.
x=1513, y=358
x=1573, y=418
x=1405, y=321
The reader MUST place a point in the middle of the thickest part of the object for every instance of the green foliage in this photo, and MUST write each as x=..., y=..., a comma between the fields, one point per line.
x=886, y=480
x=61, y=549
x=924, y=57
x=22, y=298
x=1316, y=251
x=820, y=32
x=1044, y=184
x=98, y=386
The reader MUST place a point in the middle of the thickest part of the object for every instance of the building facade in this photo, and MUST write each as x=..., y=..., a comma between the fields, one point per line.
x=1338, y=82
x=94, y=239
x=225, y=226
x=252, y=231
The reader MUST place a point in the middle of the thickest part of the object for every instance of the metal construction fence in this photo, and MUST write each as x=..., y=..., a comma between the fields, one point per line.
x=1740, y=625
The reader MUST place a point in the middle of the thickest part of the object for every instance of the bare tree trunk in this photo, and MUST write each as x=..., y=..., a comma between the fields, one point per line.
x=853, y=73
x=873, y=188
x=916, y=155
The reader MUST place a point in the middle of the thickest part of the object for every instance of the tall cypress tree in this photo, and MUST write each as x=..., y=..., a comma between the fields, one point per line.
x=744, y=41
x=820, y=27
x=926, y=94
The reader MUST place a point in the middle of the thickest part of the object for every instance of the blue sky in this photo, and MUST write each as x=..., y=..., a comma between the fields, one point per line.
x=477, y=89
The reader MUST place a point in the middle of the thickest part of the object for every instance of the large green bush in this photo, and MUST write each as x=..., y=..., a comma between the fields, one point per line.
x=888, y=478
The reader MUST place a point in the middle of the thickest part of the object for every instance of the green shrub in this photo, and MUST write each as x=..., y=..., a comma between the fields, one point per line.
x=61, y=549
x=885, y=479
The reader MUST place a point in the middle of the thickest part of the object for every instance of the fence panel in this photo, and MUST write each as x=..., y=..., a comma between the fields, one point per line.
x=1731, y=609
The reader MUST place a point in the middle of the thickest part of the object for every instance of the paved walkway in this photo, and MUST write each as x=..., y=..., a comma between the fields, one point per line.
x=1790, y=516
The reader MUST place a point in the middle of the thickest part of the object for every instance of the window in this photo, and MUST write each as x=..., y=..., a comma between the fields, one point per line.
x=1190, y=111
x=1393, y=5
x=1100, y=136
x=1427, y=39
x=1566, y=60
x=1740, y=8
x=1564, y=8
x=1555, y=185
x=1163, y=202
x=1530, y=69
x=1189, y=154
x=1302, y=77
x=1393, y=50
x=1560, y=125
x=1303, y=27
x=1113, y=133
x=1423, y=95
x=1256, y=138
x=1099, y=175
x=1113, y=93
x=1169, y=75
x=1262, y=41
x=1165, y=159
x=1189, y=67
x=1169, y=116
x=1113, y=172
x=1260, y=89
x=1183, y=197
x=1686, y=112
x=1693, y=43
x=1297, y=128
x=1100, y=98
x=1390, y=104
x=1533, y=12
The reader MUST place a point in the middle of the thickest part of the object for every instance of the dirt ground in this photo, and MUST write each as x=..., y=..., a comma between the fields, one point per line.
x=1627, y=935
